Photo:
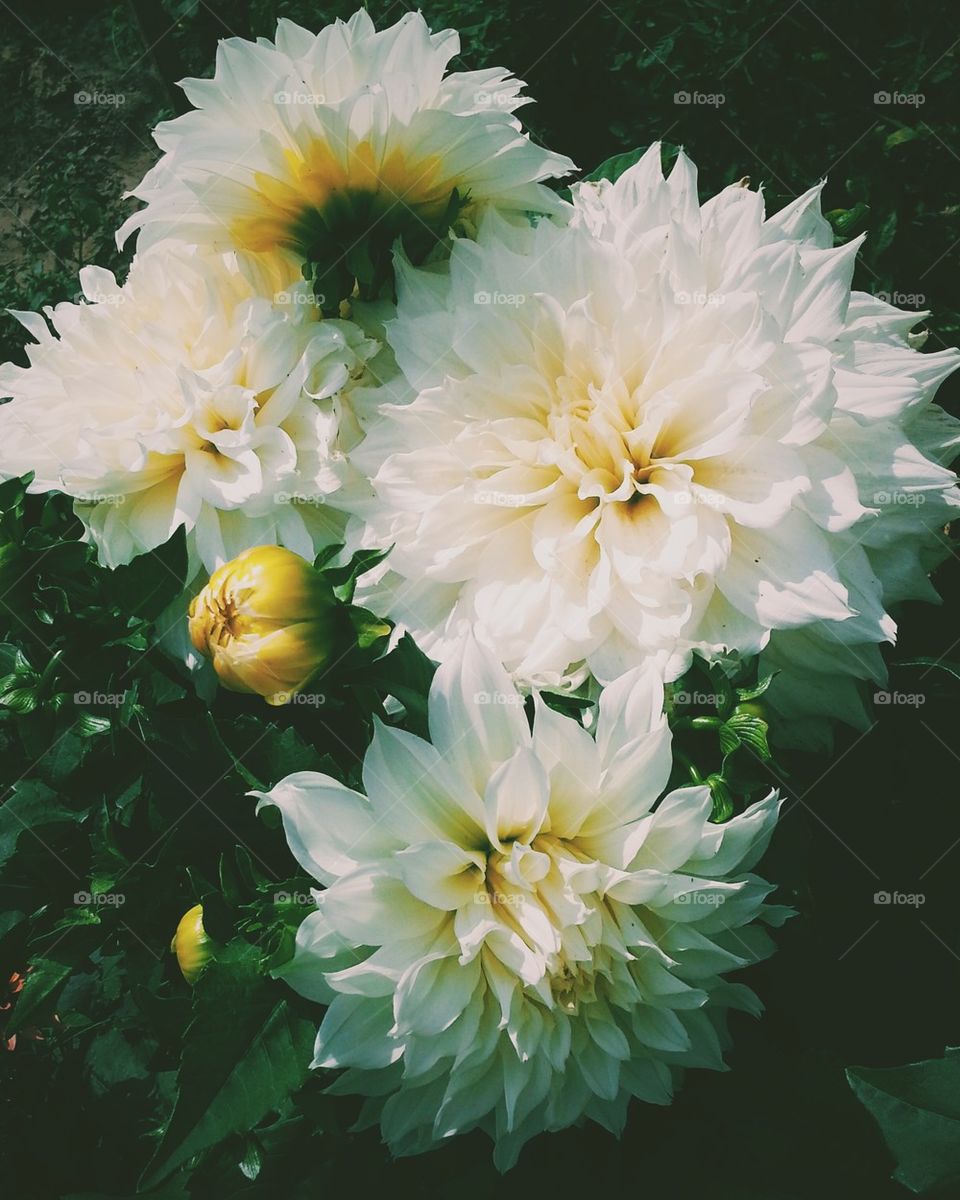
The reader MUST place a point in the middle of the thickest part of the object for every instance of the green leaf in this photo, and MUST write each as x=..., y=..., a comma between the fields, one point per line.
x=30, y=806
x=369, y=628
x=46, y=977
x=722, y=799
x=613, y=168
x=917, y=1107
x=747, y=730
x=10, y=656
x=113, y=1059
x=251, y=1161
x=904, y=134
x=244, y=1053
x=343, y=580
x=753, y=693
x=846, y=221
x=939, y=664
x=146, y=586
x=20, y=700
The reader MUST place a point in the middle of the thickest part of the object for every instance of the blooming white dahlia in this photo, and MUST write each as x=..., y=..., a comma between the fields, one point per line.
x=511, y=936
x=328, y=146
x=665, y=428
x=184, y=398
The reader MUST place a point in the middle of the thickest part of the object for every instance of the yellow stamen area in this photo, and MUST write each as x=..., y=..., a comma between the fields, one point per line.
x=321, y=175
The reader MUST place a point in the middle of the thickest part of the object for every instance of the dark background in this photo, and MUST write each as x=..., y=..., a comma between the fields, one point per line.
x=853, y=982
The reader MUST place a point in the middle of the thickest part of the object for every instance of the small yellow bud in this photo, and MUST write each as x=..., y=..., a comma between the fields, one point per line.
x=266, y=621
x=193, y=948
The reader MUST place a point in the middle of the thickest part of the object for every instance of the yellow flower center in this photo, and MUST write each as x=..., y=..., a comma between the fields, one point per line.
x=327, y=182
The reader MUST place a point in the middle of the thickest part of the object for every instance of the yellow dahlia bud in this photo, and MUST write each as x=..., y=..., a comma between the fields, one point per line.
x=191, y=944
x=266, y=621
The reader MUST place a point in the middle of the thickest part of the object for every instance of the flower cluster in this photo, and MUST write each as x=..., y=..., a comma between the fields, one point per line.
x=574, y=445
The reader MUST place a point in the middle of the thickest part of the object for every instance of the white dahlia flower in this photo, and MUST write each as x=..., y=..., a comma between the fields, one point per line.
x=664, y=428
x=318, y=144
x=183, y=398
x=511, y=936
